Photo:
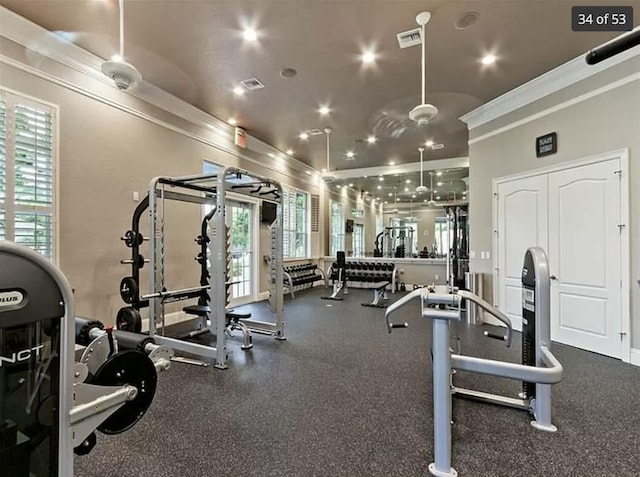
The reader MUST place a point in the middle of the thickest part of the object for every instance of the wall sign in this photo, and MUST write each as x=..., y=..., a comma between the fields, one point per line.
x=240, y=137
x=547, y=144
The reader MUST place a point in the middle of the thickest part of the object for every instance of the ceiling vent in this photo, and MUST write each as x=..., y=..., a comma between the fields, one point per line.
x=437, y=146
x=252, y=84
x=409, y=38
x=313, y=132
x=349, y=158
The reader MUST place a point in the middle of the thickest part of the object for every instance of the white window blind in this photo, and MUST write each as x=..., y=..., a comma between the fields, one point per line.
x=27, y=175
x=358, y=240
x=295, y=223
x=337, y=228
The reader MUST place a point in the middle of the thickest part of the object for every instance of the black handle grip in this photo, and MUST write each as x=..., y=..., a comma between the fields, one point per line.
x=615, y=47
x=399, y=325
x=495, y=336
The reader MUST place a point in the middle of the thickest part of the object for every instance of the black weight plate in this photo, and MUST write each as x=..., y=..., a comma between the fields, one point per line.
x=127, y=367
x=129, y=319
x=128, y=289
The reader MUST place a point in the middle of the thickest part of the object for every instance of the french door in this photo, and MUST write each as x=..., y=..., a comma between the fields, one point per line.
x=241, y=220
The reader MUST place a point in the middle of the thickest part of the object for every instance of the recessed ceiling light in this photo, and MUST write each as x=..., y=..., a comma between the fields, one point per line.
x=392, y=163
x=381, y=178
x=390, y=194
x=413, y=196
x=350, y=154
x=466, y=20
x=250, y=34
x=365, y=192
x=350, y=184
x=365, y=177
x=304, y=135
x=435, y=191
x=406, y=189
x=439, y=183
x=308, y=172
x=428, y=143
x=371, y=139
x=289, y=151
x=324, y=110
x=338, y=186
x=488, y=59
x=271, y=154
x=368, y=57
x=439, y=173
x=379, y=187
x=408, y=181
x=438, y=198
x=238, y=90
x=232, y=121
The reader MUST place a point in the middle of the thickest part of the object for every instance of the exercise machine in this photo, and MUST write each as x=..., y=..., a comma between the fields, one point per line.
x=206, y=190
x=539, y=369
x=50, y=405
x=339, y=276
x=392, y=242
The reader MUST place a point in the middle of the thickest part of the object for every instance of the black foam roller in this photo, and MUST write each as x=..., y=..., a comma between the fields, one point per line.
x=83, y=327
x=135, y=341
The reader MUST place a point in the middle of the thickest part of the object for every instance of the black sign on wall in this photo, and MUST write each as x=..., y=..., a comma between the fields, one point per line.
x=547, y=144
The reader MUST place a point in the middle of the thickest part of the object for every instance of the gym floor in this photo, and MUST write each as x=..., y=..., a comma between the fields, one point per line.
x=342, y=397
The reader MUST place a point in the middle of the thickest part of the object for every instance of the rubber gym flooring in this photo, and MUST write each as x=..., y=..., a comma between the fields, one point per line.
x=342, y=397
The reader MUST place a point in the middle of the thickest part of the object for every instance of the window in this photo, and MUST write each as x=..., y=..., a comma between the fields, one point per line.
x=27, y=174
x=295, y=223
x=442, y=236
x=337, y=229
x=358, y=240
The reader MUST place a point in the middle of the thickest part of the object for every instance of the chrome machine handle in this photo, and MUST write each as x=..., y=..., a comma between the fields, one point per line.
x=493, y=311
x=418, y=293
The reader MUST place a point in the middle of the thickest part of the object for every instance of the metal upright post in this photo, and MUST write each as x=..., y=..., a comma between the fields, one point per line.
x=277, y=287
x=218, y=271
x=441, y=467
x=542, y=404
x=153, y=248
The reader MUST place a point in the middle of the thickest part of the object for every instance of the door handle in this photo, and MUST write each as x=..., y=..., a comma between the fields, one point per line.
x=553, y=277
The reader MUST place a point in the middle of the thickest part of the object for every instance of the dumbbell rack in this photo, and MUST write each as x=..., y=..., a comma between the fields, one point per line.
x=302, y=277
x=364, y=274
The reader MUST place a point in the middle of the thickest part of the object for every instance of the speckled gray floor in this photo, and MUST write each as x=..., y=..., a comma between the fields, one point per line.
x=341, y=397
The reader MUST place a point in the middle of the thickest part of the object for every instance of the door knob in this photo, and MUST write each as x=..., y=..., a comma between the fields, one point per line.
x=553, y=277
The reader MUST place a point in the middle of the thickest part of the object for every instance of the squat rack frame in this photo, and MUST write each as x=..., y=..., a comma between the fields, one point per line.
x=211, y=189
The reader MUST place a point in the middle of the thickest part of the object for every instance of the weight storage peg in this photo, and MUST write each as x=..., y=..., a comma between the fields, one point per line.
x=132, y=238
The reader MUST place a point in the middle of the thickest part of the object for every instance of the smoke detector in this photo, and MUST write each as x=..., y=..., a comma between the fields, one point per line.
x=122, y=73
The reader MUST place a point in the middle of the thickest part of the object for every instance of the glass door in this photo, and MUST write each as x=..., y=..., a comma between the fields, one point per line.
x=241, y=215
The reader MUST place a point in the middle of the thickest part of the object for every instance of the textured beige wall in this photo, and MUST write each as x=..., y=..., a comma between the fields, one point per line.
x=603, y=123
x=105, y=154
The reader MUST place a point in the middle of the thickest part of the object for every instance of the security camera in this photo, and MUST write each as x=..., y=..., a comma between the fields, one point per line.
x=123, y=74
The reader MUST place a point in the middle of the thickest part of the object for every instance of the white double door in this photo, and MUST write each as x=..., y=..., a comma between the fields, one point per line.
x=575, y=215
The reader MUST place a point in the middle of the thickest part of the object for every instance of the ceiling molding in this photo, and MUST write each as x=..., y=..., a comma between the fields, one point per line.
x=23, y=32
x=565, y=75
x=438, y=164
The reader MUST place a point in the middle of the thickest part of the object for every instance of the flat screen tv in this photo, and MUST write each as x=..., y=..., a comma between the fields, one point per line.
x=269, y=211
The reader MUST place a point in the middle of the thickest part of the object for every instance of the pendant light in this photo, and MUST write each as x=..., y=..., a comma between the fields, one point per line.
x=421, y=188
x=395, y=200
x=327, y=177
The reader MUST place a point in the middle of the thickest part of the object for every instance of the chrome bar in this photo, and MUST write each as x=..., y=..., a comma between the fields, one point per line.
x=491, y=398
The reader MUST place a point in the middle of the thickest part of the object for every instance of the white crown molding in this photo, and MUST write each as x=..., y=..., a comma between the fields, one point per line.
x=36, y=38
x=429, y=165
x=563, y=76
x=558, y=107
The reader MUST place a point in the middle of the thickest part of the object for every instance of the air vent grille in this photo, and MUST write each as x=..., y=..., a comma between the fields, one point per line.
x=437, y=146
x=252, y=84
x=409, y=38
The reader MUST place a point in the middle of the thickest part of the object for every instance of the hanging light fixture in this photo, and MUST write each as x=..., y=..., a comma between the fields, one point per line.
x=123, y=74
x=432, y=203
x=421, y=188
x=327, y=177
x=395, y=200
x=423, y=113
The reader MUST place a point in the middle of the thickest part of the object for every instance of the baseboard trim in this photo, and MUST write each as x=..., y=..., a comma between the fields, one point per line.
x=169, y=319
x=263, y=296
x=634, y=356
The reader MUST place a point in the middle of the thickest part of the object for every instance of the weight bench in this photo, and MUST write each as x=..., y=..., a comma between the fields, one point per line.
x=233, y=323
x=380, y=297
